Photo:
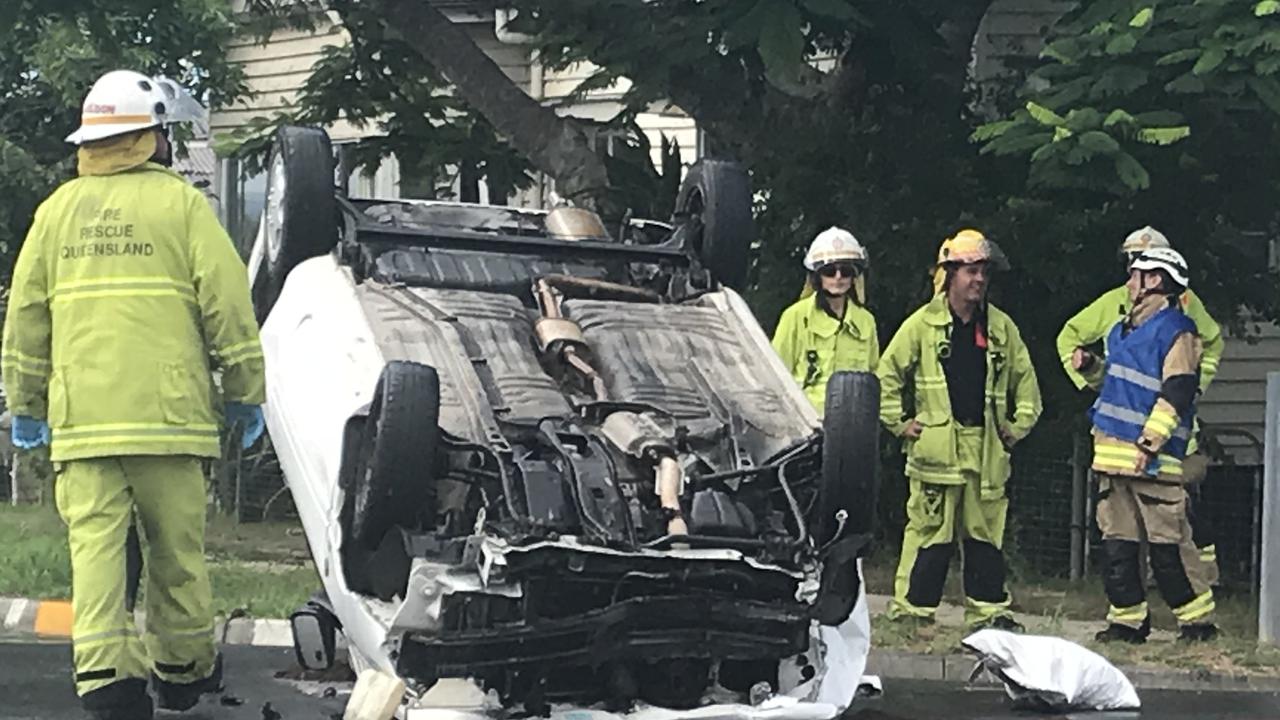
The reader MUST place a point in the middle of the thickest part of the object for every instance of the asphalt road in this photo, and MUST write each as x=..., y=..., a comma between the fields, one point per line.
x=928, y=700
x=35, y=684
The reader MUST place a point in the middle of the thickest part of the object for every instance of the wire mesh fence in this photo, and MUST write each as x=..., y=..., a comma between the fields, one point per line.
x=1052, y=527
x=1038, y=533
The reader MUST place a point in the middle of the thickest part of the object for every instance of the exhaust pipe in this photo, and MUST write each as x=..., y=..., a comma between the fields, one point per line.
x=562, y=337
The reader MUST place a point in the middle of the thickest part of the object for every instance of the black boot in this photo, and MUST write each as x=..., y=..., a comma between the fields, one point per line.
x=1006, y=622
x=1198, y=632
x=184, y=696
x=121, y=700
x=1124, y=633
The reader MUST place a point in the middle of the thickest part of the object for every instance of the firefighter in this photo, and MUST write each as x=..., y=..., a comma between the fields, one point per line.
x=1095, y=321
x=829, y=328
x=975, y=396
x=1142, y=422
x=126, y=294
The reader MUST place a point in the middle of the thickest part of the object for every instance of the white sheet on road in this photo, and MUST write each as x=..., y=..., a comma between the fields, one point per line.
x=1050, y=673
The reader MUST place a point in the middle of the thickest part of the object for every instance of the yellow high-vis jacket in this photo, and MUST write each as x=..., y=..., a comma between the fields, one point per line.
x=814, y=346
x=127, y=293
x=913, y=363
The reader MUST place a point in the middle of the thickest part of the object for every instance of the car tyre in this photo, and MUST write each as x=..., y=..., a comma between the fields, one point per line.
x=850, y=457
x=393, y=481
x=716, y=198
x=300, y=218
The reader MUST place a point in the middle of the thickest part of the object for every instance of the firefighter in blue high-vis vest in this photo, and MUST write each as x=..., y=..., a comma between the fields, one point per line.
x=1142, y=423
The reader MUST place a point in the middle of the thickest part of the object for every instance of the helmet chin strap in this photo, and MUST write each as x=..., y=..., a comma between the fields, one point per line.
x=1144, y=292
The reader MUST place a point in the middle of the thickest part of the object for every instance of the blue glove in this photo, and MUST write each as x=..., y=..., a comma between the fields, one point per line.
x=29, y=433
x=250, y=419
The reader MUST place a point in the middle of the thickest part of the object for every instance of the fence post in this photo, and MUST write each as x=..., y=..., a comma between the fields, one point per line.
x=1269, y=595
x=1079, y=498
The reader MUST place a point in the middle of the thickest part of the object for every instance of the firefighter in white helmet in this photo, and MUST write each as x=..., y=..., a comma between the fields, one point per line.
x=126, y=295
x=1142, y=423
x=829, y=329
x=1091, y=325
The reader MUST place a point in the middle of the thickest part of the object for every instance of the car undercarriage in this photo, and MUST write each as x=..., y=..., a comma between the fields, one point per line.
x=564, y=464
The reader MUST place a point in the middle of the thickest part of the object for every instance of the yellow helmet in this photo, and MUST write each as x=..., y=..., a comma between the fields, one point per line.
x=966, y=247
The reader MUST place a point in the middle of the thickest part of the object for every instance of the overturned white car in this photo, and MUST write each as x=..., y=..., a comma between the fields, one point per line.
x=562, y=463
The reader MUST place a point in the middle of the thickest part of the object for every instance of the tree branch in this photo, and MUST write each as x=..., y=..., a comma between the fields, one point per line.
x=560, y=147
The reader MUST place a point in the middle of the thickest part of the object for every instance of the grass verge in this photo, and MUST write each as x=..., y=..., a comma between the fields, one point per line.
x=261, y=567
x=1076, y=611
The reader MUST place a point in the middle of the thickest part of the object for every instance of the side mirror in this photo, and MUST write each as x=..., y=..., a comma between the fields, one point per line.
x=314, y=637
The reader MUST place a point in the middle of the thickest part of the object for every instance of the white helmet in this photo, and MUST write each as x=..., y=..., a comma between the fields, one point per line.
x=124, y=101
x=1166, y=259
x=834, y=245
x=1144, y=238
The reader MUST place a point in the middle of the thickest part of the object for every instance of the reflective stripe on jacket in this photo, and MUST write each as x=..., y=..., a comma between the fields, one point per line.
x=914, y=359
x=814, y=346
x=1133, y=378
x=126, y=293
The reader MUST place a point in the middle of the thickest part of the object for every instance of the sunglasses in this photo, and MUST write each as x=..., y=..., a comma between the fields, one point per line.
x=842, y=269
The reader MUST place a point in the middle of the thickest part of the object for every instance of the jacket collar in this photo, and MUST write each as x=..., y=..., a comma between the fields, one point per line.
x=821, y=322
x=938, y=314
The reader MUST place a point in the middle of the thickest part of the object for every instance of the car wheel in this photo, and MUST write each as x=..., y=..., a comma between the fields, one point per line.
x=716, y=197
x=300, y=219
x=394, y=482
x=850, y=455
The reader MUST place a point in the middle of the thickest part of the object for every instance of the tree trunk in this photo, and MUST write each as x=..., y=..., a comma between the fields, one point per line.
x=559, y=147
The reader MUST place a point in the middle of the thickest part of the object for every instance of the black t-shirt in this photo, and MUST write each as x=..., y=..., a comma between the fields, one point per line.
x=966, y=369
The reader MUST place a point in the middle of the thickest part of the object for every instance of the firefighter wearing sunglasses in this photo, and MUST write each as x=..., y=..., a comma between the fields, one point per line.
x=829, y=329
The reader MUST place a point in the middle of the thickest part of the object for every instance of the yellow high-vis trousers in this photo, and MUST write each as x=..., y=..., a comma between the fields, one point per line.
x=96, y=498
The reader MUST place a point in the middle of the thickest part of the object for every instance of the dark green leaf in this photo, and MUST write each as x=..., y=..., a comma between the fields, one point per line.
x=1122, y=44
x=1131, y=172
x=1179, y=56
x=1209, y=61
x=782, y=38
x=1097, y=142
x=1186, y=84
x=990, y=131
x=1268, y=91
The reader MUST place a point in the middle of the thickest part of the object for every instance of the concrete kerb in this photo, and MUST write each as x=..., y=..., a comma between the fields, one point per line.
x=51, y=620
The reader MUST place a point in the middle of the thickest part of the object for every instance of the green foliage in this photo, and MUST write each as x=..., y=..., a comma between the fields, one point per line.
x=1188, y=138
x=50, y=54
x=1204, y=66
